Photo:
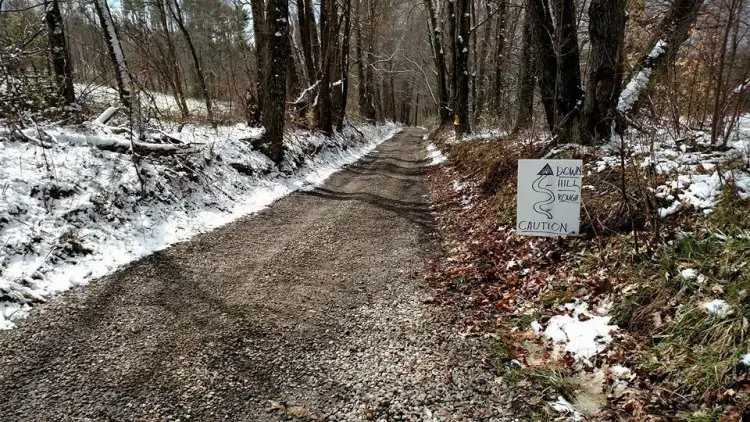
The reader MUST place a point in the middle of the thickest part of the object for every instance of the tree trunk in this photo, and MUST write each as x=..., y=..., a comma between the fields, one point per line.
x=274, y=94
x=673, y=30
x=344, y=68
x=497, y=84
x=452, y=24
x=556, y=48
x=607, y=33
x=172, y=61
x=122, y=77
x=461, y=53
x=717, y=117
x=569, y=94
x=61, y=64
x=364, y=69
x=327, y=45
x=306, y=27
x=526, y=83
x=436, y=39
x=176, y=13
x=481, y=60
x=257, y=10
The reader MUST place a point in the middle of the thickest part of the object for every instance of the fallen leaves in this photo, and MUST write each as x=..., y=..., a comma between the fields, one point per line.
x=295, y=411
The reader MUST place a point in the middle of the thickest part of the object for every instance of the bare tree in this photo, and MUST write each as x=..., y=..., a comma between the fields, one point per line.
x=274, y=94
x=607, y=32
x=556, y=46
x=436, y=41
x=114, y=47
x=526, y=82
x=461, y=53
x=58, y=46
x=176, y=12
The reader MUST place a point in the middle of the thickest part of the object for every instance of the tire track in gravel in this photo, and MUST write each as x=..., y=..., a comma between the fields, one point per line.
x=316, y=301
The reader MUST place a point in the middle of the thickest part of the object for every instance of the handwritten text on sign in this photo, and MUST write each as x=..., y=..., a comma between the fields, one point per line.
x=549, y=197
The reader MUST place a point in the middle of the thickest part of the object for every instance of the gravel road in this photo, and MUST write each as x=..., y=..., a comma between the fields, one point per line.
x=312, y=308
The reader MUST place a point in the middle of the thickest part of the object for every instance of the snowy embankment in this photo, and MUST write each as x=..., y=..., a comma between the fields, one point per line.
x=695, y=171
x=156, y=101
x=77, y=211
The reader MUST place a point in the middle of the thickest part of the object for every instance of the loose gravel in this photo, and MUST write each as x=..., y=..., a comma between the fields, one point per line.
x=313, y=308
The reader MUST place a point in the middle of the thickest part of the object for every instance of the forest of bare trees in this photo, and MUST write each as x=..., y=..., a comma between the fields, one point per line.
x=577, y=68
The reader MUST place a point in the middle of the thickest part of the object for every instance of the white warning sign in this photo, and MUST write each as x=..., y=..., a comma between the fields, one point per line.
x=549, y=197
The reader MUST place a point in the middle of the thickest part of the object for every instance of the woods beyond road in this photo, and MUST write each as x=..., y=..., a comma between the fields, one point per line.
x=312, y=307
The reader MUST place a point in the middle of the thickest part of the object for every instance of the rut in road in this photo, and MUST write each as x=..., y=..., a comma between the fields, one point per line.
x=313, y=307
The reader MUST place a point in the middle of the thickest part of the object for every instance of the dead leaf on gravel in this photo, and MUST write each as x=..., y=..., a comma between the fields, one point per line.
x=297, y=411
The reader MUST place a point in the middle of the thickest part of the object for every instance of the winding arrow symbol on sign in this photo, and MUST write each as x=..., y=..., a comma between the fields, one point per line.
x=540, y=185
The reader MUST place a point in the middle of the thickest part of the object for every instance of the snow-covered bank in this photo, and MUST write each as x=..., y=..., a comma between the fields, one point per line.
x=75, y=212
x=695, y=171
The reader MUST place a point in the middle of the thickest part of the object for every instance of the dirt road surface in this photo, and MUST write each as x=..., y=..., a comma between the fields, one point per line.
x=312, y=308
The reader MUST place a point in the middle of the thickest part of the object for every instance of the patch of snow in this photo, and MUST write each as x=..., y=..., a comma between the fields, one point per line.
x=745, y=360
x=435, y=155
x=107, y=96
x=717, y=307
x=620, y=371
x=695, y=178
x=75, y=212
x=583, y=334
x=563, y=406
x=482, y=135
x=689, y=274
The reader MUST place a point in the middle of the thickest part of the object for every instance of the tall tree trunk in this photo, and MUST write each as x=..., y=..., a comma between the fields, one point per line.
x=327, y=45
x=607, y=33
x=367, y=100
x=461, y=53
x=61, y=64
x=542, y=31
x=717, y=118
x=274, y=94
x=344, y=69
x=673, y=30
x=112, y=38
x=436, y=39
x=556, y=48
x=526, y=83
x=481, y=60
x=569, y=94
x=305, y=29
x=176, y=13
x=171, y=61
x=260, y=34
x=452, y=24
x=292, y=77
x=497, y=74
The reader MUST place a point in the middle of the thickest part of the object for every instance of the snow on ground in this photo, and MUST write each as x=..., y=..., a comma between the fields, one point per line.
x=563, y=406
x=696, y=172
x=745, y=360
x=434, y=154
x=467, y=197
x=620, y=372
x=76, y=212
x=105, y=95
x=717, y=307
x=481, y=135
x=582, y=333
